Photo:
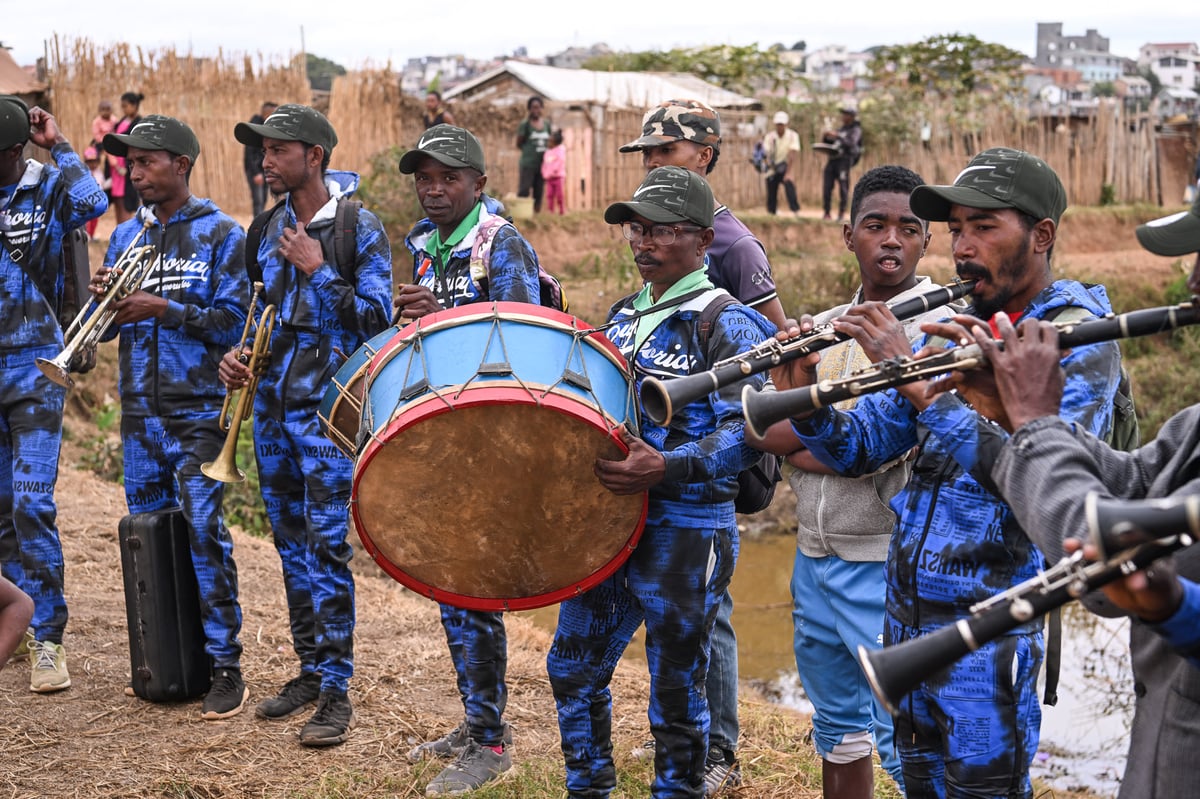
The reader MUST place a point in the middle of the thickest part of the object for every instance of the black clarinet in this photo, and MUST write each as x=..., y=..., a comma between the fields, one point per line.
x=661, y=397
x=763, y=409
x=1140, y=532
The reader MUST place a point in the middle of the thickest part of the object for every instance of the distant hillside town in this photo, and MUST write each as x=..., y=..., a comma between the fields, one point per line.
x=1068, y=76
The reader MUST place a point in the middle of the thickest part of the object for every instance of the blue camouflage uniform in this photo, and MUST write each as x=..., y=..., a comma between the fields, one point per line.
x=48, y=201
x=971, y=729
x=171, y=395
x=675, y=578
x=477, y=639
x=305, y=479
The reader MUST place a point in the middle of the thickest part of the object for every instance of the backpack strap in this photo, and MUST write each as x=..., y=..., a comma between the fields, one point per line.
x=254, y=235
x=708, y=316
x=345, y=237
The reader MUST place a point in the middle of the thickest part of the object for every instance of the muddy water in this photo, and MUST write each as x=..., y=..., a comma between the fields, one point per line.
x=1083, y=737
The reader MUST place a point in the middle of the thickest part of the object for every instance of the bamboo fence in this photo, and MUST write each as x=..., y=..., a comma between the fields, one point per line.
x=1113, y=155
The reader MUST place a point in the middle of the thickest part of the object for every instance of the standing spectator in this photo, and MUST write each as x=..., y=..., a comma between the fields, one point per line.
x=305, y=482
x=124, y=197
x=93, y=157
x=252, y=163
x=435, y=111
x=783, y=148
x=844, y=524
x=532, y=137
x=102, y=124
x=847, y=142
x=675, y=579
x=40, y=204
x=173, y=331
x=554, y=172
x=449, y=174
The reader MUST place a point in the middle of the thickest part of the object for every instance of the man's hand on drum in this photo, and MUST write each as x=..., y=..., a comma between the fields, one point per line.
x=414, y=301
x=233, y=373
x=642, y=468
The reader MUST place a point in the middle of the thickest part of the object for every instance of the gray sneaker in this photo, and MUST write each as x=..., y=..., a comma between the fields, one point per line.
x=721, y=770
x=475, y=766
x=452, y=743
x=296, y=694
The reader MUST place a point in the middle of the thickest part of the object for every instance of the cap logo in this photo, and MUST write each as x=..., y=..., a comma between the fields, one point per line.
x=972, y=169
x=1167, y=220
x=426, y=142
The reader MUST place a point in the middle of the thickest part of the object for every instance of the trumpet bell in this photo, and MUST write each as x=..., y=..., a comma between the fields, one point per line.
x=223, y=470
x=56, y=371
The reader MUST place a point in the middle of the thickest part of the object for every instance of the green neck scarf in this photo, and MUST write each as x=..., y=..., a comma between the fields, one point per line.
x=441, y=251
x=645, y=325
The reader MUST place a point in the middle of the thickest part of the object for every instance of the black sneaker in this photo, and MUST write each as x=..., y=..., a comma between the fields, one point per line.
x=332, y=722
x=226, y=697
x=297, y=694
x=721, y=770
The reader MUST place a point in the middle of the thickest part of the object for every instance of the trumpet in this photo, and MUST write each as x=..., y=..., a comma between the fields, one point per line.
x=1140, y=532
x=661, y=397
x=763, y=409
x=224, y=469
x=94, y=318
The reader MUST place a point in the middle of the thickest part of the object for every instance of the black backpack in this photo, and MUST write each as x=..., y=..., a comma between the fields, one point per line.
x=345, y=241
x=756, y=484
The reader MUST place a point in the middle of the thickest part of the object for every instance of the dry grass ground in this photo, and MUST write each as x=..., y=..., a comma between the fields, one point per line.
x=93, y=741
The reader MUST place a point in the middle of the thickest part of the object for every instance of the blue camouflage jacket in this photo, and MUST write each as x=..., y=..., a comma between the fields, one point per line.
x=512, y=269
x=49, y=201
x=169, y=365
x=956, y=542
x=704, y=443
x=322, y=317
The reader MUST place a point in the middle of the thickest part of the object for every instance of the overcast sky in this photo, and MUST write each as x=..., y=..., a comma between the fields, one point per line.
x=372, y=32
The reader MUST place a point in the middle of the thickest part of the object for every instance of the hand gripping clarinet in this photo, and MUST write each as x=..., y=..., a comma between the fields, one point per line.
x=1135, y=532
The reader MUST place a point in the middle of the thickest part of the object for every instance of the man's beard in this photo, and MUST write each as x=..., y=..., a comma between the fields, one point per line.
x=1009, y=269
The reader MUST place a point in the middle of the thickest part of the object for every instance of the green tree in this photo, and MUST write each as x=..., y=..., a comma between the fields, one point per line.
x=1104, y=88
x=948, y=66
x=321, y=72
x=738, y=69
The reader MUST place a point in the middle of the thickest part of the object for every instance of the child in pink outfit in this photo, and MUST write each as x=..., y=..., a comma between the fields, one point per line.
x=554, y=171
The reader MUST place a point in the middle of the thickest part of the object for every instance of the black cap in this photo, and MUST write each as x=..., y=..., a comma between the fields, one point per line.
x=291, y=122
x=447, y=144
x=668, y=194
x=1174, y=235
x=997, y=178
x=14, y=121
x=155, y=132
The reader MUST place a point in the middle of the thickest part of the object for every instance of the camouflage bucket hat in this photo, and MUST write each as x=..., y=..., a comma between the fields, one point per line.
x=675, y=120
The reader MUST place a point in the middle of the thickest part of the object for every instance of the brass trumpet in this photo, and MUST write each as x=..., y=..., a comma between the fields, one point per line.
x=224, y=468
x=94, y=318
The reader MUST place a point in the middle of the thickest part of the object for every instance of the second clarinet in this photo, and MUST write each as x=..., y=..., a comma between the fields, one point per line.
x=660, y=398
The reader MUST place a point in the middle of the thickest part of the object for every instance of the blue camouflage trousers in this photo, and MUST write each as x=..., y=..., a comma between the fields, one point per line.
x=162, y=469
x=31, y=410
x=305, y=482
x=971, y=730
x=673, y=581
x=479, y=650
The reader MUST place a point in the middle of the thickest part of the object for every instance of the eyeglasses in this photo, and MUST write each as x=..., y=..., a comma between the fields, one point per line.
x=662, y=235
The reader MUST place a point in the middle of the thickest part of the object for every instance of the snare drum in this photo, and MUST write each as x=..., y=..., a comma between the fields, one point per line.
x=474, y=485
x=340, y=413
